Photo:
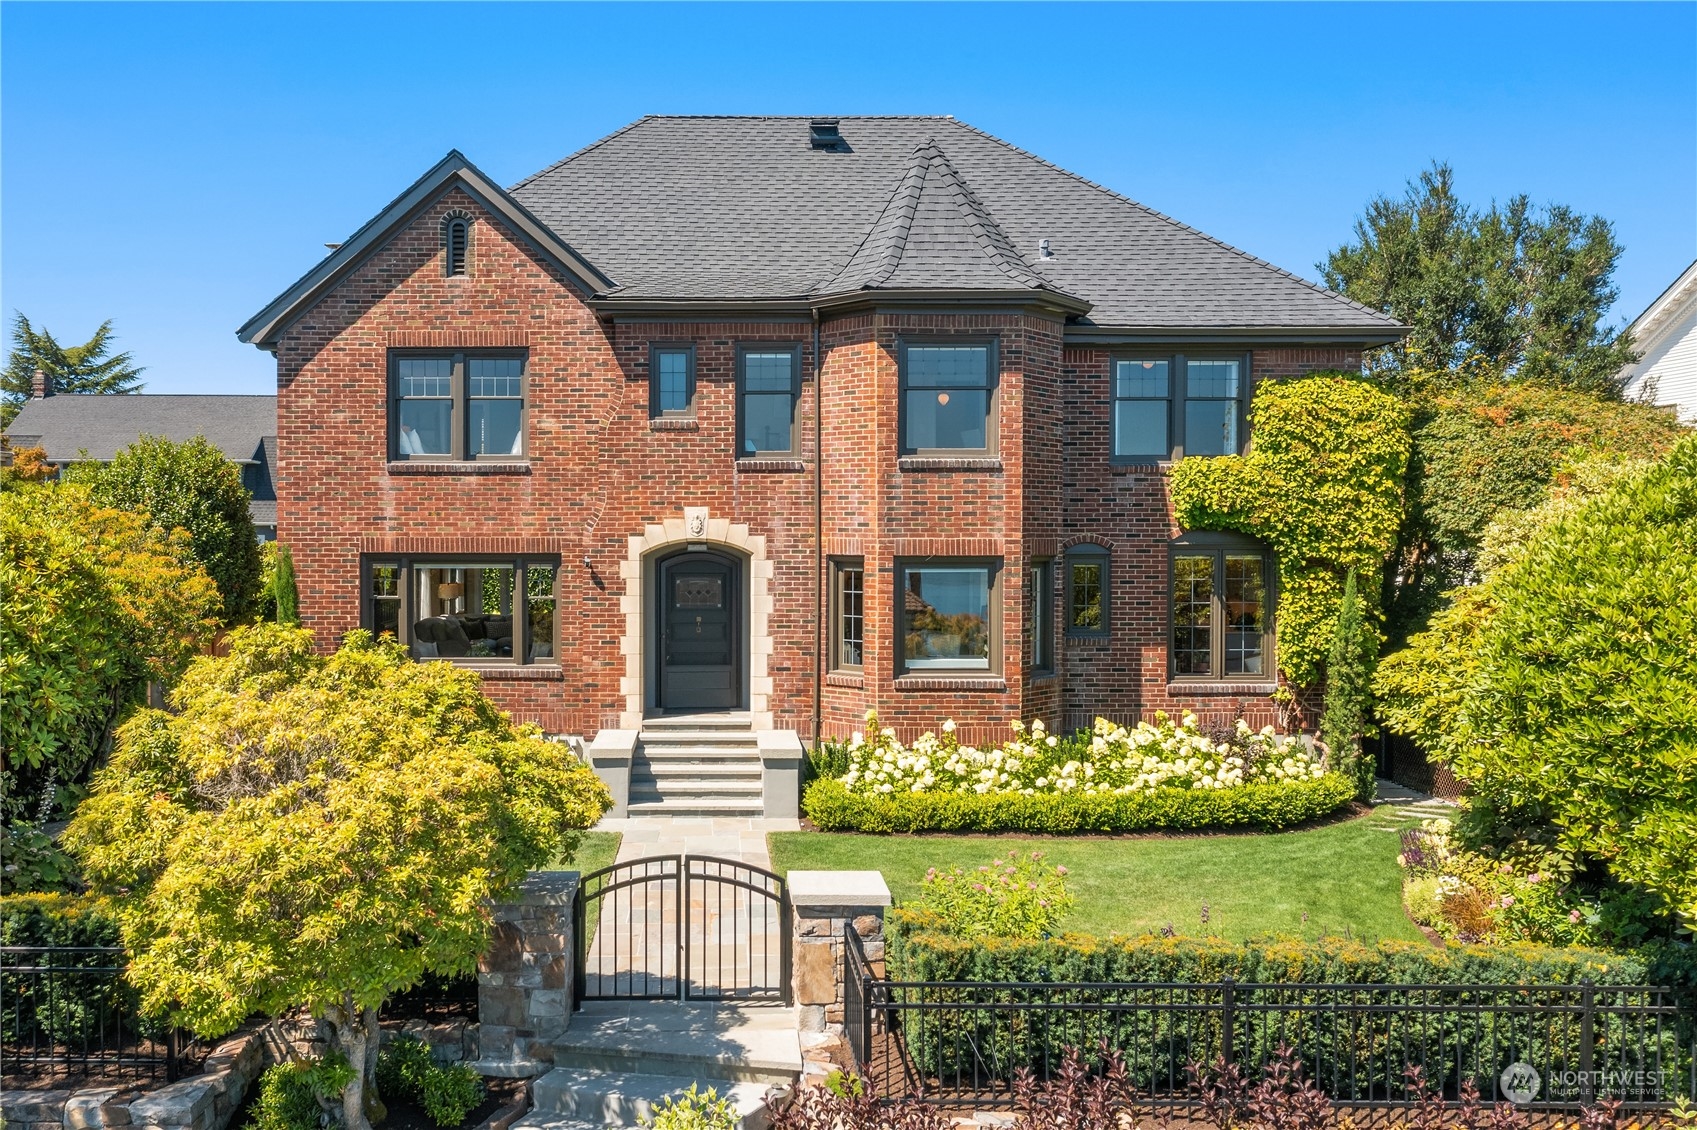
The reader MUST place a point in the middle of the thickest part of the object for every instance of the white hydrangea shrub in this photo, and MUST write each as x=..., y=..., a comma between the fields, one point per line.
x=1118, y=760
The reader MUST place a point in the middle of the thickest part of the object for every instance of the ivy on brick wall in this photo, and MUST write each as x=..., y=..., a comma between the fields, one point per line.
x=1321, y=484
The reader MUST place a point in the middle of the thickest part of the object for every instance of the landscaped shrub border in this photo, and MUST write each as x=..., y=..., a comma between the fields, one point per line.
x=1265, y=807
x=989, y=995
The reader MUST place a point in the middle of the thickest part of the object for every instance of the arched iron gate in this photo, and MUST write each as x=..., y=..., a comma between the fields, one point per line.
x=682, y=927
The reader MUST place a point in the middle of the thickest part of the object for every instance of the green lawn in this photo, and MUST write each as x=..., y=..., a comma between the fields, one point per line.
x=595, y=851
x=1344, y=876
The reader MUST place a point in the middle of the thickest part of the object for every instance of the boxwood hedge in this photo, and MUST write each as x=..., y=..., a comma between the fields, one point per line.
x=1270, y=807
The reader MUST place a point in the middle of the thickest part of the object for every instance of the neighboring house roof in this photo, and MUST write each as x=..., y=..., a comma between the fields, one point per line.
x=726, y=210
x=1665, y=335
x=727, y=207
x=72, y=426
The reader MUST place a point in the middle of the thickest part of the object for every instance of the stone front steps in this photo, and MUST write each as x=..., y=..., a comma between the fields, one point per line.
x=617, y=1060
x=697, y=765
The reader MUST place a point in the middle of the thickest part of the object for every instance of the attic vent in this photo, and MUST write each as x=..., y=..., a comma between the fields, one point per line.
x=824, y=134
x=1044, y=251
x=456, y=235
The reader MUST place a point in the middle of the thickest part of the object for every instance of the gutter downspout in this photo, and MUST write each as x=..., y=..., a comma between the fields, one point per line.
x=820, y=611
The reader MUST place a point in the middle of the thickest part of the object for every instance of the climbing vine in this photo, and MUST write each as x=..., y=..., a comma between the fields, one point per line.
x=1321, y=484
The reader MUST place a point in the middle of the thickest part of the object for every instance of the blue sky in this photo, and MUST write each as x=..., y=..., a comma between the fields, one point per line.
x=173, y=167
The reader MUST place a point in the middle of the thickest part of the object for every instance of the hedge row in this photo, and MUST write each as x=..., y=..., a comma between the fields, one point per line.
x=999, y=1017
x=1267, y=807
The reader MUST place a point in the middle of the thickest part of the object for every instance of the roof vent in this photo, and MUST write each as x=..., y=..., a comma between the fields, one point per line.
x=824, y=133
x=1044, y=251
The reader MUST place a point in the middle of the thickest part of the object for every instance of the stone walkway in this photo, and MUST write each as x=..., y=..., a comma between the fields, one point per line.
x=1412, y=803
x=727, y=837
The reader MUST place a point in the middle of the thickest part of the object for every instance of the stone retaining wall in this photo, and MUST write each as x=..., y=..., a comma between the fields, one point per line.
x=200, y=1102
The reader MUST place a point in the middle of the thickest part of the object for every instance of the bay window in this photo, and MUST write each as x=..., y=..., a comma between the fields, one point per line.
x=944, y=616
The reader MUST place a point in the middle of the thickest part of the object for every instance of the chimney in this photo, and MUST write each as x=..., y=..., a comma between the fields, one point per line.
x=39, y=386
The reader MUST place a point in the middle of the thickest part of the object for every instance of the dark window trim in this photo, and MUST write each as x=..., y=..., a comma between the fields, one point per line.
x=744, y=348
x=519, y=563
x=462, y=405
x=839, y=567
x=654, y=410
x=993, y=377
x=1042, y=661
x=1178, y=396
x=899, y=649
x=1199, y=543
x=1090, y=553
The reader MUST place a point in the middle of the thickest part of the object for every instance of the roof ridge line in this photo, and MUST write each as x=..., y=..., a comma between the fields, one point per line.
x=887, y=267
x=906, y=200
x=1238, y=251
x=596, y=144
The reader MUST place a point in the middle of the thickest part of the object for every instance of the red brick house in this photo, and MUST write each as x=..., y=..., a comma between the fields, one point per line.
x=783, y=420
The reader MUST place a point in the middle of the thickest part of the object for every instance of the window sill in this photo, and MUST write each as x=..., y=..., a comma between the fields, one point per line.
x=1153, y=468
x=512, y=672
x=771, y=466
x=1041, y=677
x=674, y=424
x=1219, y=687
x=853, y=679
x=951, y=683
x=949, y=463
x=1094, y=639
x=458, y=467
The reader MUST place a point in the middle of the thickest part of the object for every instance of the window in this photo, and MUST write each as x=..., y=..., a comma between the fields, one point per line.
x=944, y=614
x=1142, y=403
x=1220, y=610
x=768, y=385
x=457, y=406
x=947, y=397
x=848, y=650
x=671, y=379
x=456, y=238
x=1039, y=616
x=1211, y=407
x=490, y=610
x=1168, y=407
x=1087, y=591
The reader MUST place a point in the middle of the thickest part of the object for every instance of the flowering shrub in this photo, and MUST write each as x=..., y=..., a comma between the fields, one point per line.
x=1112, y=760
x=1468, y=897
x=1016, y=897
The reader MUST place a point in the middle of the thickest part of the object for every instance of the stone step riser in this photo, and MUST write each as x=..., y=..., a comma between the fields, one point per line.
x=620, y=1096
x=698, y=748
x=695, y=809
x=696, y=1069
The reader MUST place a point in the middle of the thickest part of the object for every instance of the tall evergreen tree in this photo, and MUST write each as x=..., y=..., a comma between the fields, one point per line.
x=1349, y=675
x=1519, y=290
x=89, y=367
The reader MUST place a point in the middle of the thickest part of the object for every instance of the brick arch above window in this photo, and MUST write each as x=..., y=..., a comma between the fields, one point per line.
x=1092, y=541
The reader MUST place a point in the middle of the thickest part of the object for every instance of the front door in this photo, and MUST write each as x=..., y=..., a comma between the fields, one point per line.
x=700, y=634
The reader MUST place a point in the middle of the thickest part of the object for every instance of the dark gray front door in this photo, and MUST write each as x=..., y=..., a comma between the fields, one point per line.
x=700, y=633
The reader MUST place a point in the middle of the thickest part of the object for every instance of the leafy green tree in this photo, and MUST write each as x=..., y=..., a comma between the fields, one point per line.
x=89, y=367
x=94, y=603
x=1344, y=716
x=1493, y=451
x=1563, y=687
x=1523, y=288
x=192, y=487
x=319, y=831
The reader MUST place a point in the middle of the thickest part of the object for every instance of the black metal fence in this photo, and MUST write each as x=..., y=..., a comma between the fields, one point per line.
x=66, y=1014
x=1553, y=1047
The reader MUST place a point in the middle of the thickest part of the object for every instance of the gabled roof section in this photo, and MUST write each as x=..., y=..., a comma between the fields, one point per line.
x=454, y=170
x=934, y=233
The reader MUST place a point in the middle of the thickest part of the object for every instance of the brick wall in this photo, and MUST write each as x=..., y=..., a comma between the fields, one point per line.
x=599, y=471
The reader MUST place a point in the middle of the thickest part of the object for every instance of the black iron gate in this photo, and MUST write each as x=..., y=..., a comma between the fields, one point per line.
x=682, y=927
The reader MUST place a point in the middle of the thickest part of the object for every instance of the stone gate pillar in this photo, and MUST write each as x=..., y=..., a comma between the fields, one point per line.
x=825, y=902
x=524, y=980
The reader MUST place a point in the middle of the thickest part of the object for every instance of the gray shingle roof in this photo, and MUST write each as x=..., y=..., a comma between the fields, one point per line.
x=104, y=425
x=726, y=207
